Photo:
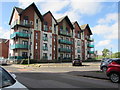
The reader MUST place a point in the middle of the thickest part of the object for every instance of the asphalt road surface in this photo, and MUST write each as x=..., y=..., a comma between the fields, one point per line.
x=60, y=80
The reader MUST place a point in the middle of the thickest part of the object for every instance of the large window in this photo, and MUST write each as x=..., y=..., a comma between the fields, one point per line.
x=25, y=31
x=25, y=42
x=25, y=55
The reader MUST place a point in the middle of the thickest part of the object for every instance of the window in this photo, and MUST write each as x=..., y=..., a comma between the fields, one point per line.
x=37, y=24
x=25, y=42
x=36, y=46
x=7, y=80
x=25, y=21
x=61, y=28
x=36, y=35
x=61, y=56
x=62, y=38
x=31, y=22
x=67, y=55
x=67, y=39
x=44, y=35
x=54, y=47
x=78, y=56
x=67, y=47
x=66, y=29
x=54, y=28
x=25, y=31
x=45, y=44
x=44, y=55
x=61, y=46
x=45, y=26
x=36, y=21
x=25, y=55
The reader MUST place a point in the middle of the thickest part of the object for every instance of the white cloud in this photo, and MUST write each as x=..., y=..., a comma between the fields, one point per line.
x=4, y=33
x=103, y=43
x=76, y=9
x=109, y=18
x=107, y=27
x=88, y=8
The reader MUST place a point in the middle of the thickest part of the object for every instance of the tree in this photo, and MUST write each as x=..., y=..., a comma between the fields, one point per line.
x=105, y=52
x=117, y=55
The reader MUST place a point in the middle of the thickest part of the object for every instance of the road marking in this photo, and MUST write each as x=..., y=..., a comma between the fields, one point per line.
x=23, y=69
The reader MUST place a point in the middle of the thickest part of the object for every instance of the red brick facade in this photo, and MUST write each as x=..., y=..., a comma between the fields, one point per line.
x=4, y=49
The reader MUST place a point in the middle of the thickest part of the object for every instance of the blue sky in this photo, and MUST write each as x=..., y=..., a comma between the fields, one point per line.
x=101, y=16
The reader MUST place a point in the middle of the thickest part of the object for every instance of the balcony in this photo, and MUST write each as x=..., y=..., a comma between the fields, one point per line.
x=90, y=46
x=19, y=34
x=90, y=39
x=45, y=38
x=90, y=52
x=17, y=57
x=21, y=23
x=65, y=33
x=65, y=50
x=65, y=41
x=78, y=51
x=45, y=48
x=19, y=46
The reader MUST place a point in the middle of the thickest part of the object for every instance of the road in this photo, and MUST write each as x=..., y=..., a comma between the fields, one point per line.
x=57, y=79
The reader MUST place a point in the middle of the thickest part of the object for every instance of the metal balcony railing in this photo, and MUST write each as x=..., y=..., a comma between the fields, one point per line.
x=19, y=46
x=19, y=34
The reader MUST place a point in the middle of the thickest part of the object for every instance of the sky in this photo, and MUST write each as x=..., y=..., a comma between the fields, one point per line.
x=102, y=17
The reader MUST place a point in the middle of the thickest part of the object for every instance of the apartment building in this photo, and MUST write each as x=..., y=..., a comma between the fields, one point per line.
x=65, y=38
x=77, y=40
x=87, y=42
x=42, y=37
x=4, y=48
x=26, y=27
x=50, y=37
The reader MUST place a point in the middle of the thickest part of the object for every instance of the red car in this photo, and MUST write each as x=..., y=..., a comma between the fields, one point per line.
x=113, y=71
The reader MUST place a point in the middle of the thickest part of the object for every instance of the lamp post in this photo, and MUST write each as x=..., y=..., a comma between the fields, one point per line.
x=29, y=48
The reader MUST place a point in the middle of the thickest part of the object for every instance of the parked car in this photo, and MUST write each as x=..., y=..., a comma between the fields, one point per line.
x=113, y=71
x=3, y=61
x=104, y=63
x=76, y=62
x=9, y=81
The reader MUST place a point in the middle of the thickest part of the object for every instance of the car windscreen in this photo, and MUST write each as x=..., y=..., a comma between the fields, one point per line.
x=5, y=79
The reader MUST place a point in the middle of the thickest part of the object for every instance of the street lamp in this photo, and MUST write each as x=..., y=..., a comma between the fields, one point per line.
x=29, y=48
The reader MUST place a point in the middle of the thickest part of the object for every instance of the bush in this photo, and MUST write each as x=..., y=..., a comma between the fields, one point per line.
x=92, y=60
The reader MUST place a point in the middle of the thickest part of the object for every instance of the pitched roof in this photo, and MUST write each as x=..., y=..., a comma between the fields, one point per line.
x=20, y=11
x=36, y=9
x=51, y=15
x=77, y=24
x=83, y=26
x=68, y=21
x=3, y=40
x=60, y=19
x=86, y=26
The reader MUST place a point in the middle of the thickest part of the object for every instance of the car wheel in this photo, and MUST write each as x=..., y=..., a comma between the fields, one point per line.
x=114, y=77
x=104, y=69
x=73, y=64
